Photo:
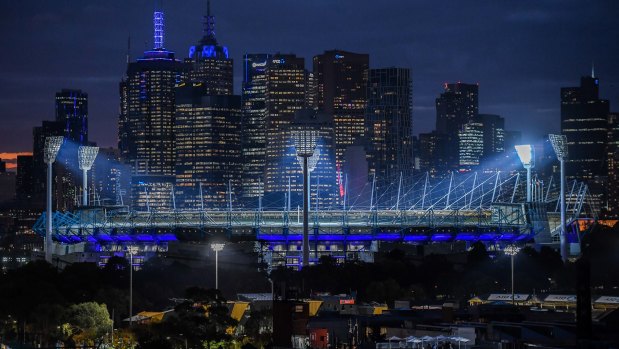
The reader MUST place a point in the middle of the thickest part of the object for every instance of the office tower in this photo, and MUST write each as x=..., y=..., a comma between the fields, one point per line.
x=612, y=195
x=285, y=95
x=24, y=186
x=208, y=147
x=470, y=145
x=584, y=118
x=2, y=166
x=254, y=123
x=210, y=62
x=146, y=122
x=494, y=136
x=389, y=123
x=433, y=153
x=341, y=91
x=72, y=113
x=456, y=106
x=284, y=168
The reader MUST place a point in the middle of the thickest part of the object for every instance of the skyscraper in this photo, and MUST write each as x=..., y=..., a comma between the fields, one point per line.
x=210, y=62
x=72, y=113
x=284, y=167
x=208, y=147
x=584, y=121
x=613, y=165
x=24, y=185
x=341, y=91
x=494, y=136
x=254, y=123
x=470, y=144
x=146, y=122
x=456, y=106
x=389, y=123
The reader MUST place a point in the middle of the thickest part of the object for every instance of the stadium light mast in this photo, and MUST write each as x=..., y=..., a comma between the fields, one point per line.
x=526, y=153
x=217, y=247
x=50, y=151
x=305, y=139
x=86, y=156
x=559, y=144
x=512, y=251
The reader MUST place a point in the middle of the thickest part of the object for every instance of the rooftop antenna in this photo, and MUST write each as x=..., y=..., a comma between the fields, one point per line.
x=158, y=24
x=128, y=49
x=592, y=69
x=209, y=22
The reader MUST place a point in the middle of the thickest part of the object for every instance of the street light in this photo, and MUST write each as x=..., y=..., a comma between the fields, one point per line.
x=305, y=139
x=131, y=250
x=50, y=151
x=86, y=156
x=511, y=251
x=217, y=247
x=526, y=153
x=559, y=144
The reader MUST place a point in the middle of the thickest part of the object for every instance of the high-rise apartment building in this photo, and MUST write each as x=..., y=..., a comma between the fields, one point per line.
x=494, y=136
x=340, y=85
x=208, y=148
x=210, y=62
x=254, y=136
x=389, y=123
x=146, y=136
x=584, y=121
x=470, y=145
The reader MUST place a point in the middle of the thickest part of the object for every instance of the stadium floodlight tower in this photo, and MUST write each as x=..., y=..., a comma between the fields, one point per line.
x=305, y=139
x=217, y=247
x=50, y=151
x=559, y=144
x=86, y=156
x=526, y=153
x=512, y=250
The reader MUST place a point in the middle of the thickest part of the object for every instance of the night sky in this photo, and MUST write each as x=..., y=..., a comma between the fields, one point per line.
x=520, y=52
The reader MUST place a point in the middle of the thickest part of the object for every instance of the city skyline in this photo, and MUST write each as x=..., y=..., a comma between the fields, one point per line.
x=526, y=84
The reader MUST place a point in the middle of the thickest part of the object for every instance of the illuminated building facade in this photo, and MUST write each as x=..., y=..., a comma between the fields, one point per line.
x=254, y=122
x=146, y=122
x=208, y=148
x=584, y=121
x=470, y=145
x=341, y=80
x=285, y=95
x=456, y=106
x=389, y=123
x=613, y=165
x=210, y=62
x=284, y=168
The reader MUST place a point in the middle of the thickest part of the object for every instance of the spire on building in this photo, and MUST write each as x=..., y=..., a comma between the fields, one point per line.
x=209, y=25
x=592, y=69
x=158, y=24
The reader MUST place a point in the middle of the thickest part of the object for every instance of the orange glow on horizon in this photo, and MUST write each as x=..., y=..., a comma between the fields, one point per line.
x=11, y=159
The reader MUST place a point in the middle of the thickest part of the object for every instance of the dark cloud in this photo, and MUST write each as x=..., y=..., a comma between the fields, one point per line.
x=520, y=52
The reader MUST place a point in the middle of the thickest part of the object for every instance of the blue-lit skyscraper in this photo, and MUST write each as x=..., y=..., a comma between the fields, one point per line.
x=72, y=113
x=210, y=62
x=146, y=122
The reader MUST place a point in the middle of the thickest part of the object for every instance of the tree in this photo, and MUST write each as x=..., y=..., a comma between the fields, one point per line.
x=87, y=323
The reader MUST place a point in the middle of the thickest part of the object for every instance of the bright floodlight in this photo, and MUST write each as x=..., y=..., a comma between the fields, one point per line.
x=511, y=250
x=52, y=146
x=526, y=155
x=559, y=144
x=86, y=156
x=312, y=161
x=217, y=247
x=305, y=141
